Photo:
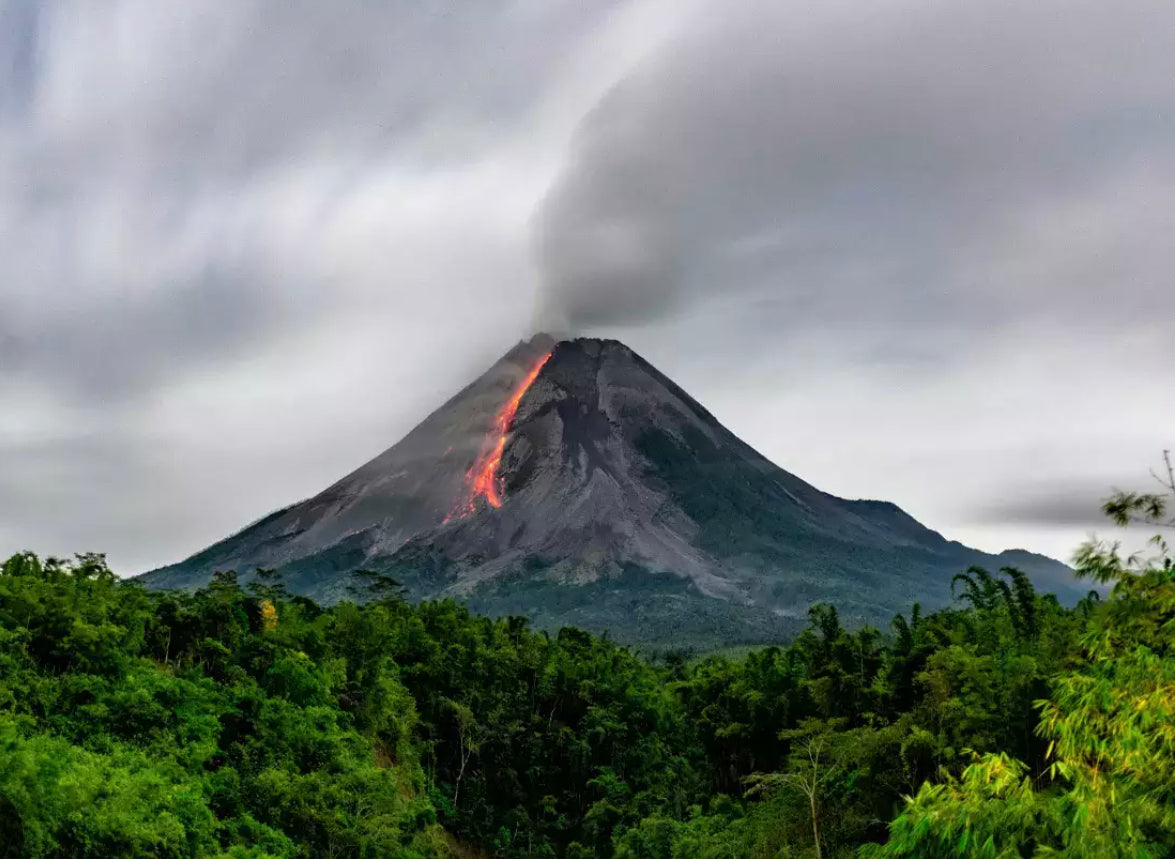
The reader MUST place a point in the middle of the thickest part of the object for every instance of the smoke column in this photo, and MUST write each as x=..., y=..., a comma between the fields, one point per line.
x=851, y=165
x=610, y=236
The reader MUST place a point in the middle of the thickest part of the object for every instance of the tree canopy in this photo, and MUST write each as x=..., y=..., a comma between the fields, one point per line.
x=244, y=722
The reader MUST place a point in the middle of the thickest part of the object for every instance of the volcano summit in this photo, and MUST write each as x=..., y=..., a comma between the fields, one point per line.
x=575, y=484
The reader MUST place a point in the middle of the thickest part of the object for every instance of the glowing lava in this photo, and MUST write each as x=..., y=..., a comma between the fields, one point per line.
x=483, y=479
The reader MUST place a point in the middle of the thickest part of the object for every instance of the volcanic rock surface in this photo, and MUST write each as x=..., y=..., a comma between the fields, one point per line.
x=575, y=484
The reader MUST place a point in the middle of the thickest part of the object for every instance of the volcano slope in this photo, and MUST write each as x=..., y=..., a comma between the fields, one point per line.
x=575, y=484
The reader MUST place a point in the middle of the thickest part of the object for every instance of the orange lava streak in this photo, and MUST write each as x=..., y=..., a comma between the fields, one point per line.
x=483, y=477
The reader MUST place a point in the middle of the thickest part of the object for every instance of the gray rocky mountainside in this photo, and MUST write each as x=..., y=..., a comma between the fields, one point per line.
x=575, y=484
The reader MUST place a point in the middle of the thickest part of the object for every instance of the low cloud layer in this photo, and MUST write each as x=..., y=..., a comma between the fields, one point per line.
x=919, y=252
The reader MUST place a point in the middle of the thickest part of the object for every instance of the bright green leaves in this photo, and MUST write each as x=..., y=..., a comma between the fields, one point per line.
x=170, y=725
x=65, y=801
x=1108, y=785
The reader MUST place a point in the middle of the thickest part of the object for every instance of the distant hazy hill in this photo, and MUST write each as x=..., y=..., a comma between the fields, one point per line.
x=577, y=485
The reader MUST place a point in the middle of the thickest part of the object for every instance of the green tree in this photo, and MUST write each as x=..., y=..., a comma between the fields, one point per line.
x=1110, y=727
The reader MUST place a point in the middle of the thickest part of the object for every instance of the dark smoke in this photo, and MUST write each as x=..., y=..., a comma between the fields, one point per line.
x=840, y=161
x=606, y=248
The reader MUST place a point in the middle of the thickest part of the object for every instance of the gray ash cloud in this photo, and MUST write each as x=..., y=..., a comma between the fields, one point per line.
x=889, y=165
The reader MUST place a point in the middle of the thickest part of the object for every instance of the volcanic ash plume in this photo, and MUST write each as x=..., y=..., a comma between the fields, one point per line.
x=601, y=264
x=613, y=232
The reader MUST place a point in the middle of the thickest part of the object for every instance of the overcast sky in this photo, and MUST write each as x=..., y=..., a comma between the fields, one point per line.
x=920, y=251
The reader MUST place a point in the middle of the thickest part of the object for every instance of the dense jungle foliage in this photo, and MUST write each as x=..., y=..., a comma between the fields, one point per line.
x=245, y=723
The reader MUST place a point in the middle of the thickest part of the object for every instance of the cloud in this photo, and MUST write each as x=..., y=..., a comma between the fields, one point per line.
x=19, y=31
x=179, y=186
x=888, y=162
x=1071, y=507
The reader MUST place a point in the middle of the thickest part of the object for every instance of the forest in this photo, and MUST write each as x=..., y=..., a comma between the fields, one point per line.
x=245, y=722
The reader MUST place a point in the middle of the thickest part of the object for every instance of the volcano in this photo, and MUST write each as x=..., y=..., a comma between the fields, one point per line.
x=575, y=484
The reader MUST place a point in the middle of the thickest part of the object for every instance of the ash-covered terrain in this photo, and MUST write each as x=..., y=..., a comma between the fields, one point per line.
x=575, y=484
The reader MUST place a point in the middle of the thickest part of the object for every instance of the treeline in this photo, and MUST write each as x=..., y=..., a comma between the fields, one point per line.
x=244, y=722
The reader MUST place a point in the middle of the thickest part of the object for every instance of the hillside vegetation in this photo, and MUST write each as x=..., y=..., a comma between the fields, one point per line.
x=242, y=722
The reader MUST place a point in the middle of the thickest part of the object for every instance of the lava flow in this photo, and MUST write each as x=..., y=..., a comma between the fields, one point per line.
x=483, y=479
